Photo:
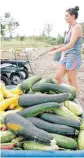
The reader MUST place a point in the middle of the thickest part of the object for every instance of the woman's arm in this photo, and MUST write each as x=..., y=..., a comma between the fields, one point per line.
x=56, y=47
x=59, y=46
x=76, y=32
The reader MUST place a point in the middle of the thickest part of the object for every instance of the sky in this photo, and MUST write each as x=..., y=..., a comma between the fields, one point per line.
x=32, y=15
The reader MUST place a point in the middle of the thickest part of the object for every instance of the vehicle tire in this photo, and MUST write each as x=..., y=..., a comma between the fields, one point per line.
x=31, y=71
x=24, y=67
x=16, y=78
x=25, y=73
x=4, y=74
x=5, y=80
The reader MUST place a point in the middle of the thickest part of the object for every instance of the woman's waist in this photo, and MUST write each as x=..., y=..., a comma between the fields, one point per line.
x=72, y=52
x=70, y=56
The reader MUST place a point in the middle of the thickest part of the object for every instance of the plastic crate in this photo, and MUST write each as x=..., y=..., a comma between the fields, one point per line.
x=39, y=154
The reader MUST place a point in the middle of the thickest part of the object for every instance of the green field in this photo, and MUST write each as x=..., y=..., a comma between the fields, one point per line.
x=31, y=42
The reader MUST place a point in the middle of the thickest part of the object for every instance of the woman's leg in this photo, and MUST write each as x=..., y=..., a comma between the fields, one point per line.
x=72, y=78
x=61, y=71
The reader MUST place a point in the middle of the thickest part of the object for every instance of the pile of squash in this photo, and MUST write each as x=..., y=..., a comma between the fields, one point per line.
x=27, y=103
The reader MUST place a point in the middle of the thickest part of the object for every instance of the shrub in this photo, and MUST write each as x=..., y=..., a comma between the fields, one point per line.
x=22, y=38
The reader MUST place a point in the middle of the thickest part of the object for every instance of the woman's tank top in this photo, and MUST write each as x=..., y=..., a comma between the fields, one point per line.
x=76, y=49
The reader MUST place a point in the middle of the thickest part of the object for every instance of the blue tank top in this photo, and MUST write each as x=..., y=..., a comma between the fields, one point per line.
x=76, y=49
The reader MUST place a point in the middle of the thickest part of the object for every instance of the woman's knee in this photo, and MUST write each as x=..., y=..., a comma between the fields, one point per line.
x=73, y=82
x=60, y=73
x=72, y=76
x=70, y=79
x=59, y=79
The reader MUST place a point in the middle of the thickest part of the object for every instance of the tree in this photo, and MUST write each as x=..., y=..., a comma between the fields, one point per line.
x=7, y=15
x=8, y=24
x=43, y=33
x=47, y=29
x=2, y=27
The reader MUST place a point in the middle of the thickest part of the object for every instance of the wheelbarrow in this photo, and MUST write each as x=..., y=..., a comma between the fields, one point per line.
x=10, y=74
x=22, y=65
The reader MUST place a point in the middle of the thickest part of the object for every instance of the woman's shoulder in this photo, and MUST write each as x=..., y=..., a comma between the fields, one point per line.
x=78, y=25
x=78, y=28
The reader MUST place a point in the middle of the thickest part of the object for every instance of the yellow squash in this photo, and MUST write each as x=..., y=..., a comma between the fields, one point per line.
x=18, y=107
x=12, y=106
x=1, y=95
x=7, y=102
x=16, y=90
x=6, y=93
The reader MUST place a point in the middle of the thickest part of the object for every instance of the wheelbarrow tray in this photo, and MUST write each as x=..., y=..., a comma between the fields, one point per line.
x=8, y=68
x=15, y=62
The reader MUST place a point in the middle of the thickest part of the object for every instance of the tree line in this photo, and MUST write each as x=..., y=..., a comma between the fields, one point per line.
x=8, y=25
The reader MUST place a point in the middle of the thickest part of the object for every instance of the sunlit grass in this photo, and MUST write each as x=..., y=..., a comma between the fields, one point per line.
x=31, y=42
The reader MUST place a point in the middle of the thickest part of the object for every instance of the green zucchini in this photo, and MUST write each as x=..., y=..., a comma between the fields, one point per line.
x=82, y=116
x=47, y=80
x=37, y=109
x=63, y=111
x=30, y=92
x=4, y=114
x=53, y=128
x=60, y=120
x=81, y=140
x=65, y=142
x=22, y=127
x=68, y=89
x=26, y=100
x=27, y=84
x=6, y=136
x=35, y=145
x=18, y=139
x=73, y=107
x=76, y=101
x=54, y=81
x=50, y=92
x=82, y=124
x=62, y=88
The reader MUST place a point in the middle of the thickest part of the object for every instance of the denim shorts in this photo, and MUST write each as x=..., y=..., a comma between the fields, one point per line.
x=71, y=62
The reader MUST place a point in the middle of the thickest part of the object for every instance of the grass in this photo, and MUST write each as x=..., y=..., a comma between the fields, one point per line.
x=31, y=42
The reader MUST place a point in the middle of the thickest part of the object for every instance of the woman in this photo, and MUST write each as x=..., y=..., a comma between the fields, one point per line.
x=71, y=49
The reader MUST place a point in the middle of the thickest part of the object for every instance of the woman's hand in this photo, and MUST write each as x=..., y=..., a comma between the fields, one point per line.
x=51, y=52
x=55, y=49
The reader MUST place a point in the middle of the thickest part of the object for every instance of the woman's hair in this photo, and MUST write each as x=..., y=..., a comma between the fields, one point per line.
x=73, y=11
